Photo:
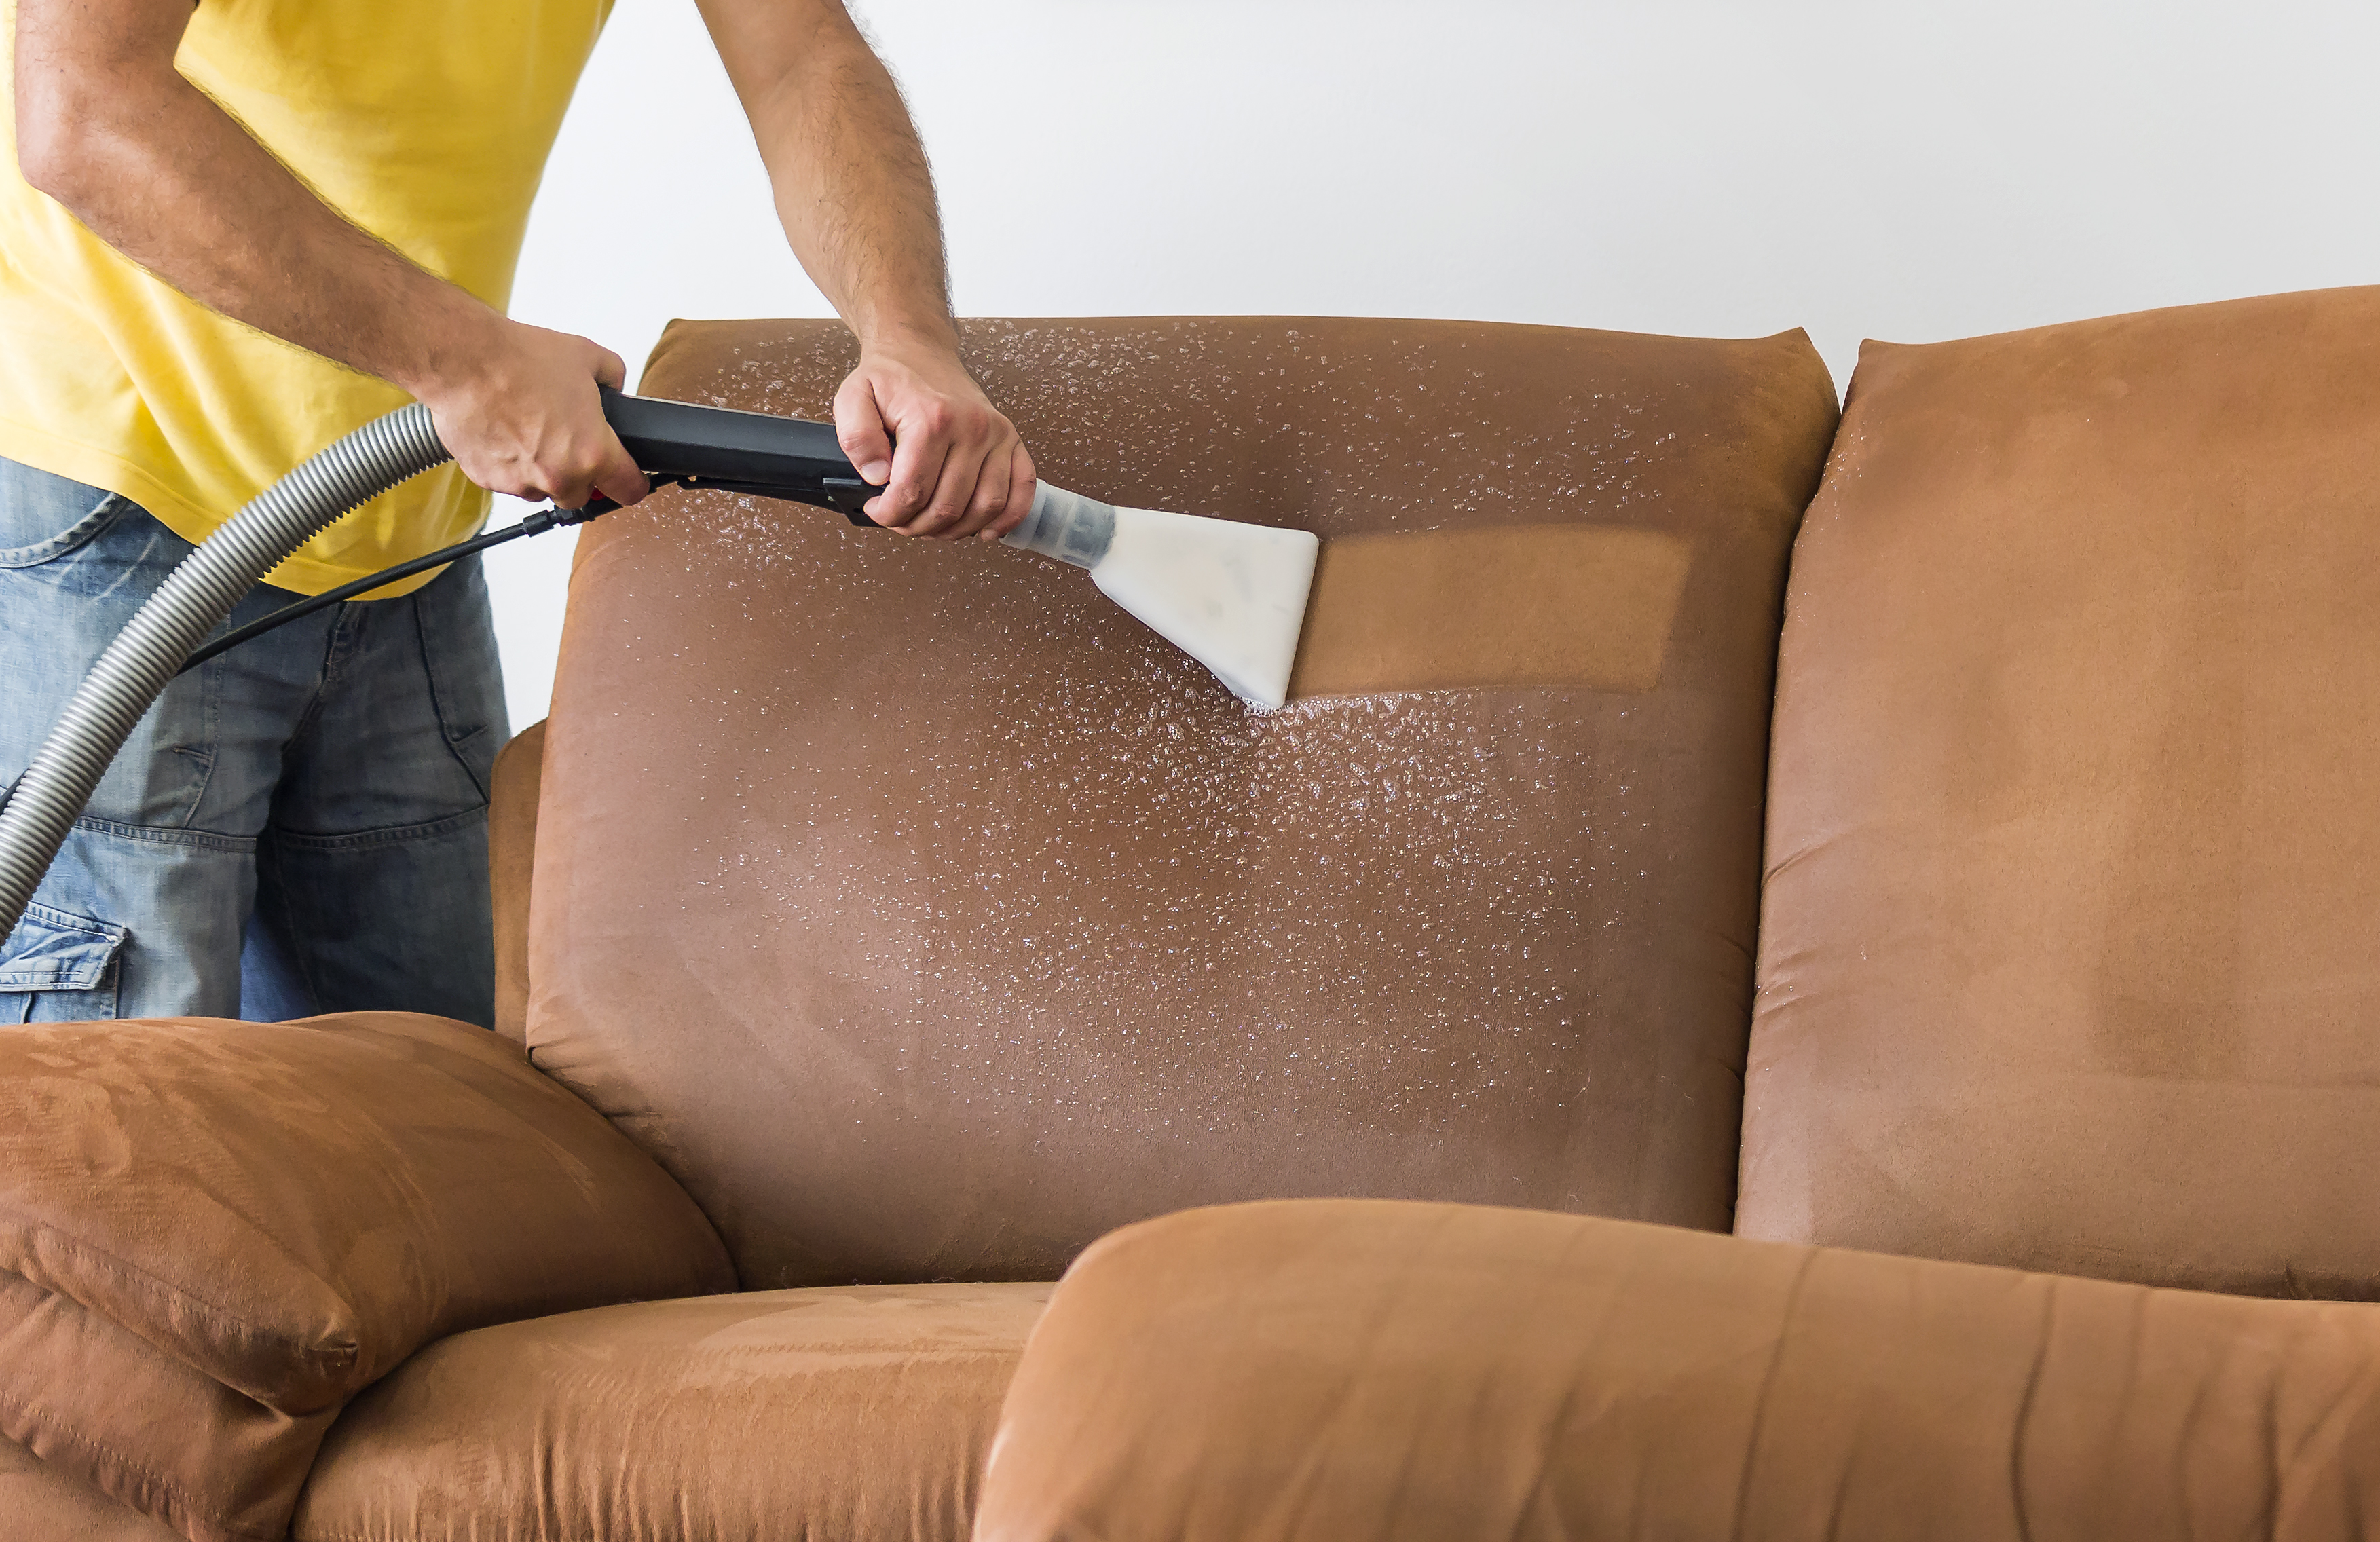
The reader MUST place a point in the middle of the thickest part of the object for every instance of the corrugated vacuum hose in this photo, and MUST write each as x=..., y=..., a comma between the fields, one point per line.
x=192, y=602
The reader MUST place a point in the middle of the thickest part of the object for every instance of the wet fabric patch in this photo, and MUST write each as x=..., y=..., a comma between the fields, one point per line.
x=1533, y=605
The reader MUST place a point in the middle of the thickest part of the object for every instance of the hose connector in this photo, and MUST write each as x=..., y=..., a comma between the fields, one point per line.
x=1066, y=525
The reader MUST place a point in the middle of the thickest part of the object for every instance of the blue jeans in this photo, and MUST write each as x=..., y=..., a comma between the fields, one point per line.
x=298, y=826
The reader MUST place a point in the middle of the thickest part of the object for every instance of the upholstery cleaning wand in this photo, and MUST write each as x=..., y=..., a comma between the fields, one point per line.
x=1232, y=596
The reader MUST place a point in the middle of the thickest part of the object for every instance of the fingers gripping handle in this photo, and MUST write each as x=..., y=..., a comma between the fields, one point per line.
x=1066, y=525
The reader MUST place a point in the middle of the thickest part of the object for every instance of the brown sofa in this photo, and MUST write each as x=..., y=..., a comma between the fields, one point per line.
x=889, y=928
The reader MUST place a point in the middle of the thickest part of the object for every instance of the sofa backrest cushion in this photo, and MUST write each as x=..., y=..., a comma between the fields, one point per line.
x=928, y=917
x=2070, y=947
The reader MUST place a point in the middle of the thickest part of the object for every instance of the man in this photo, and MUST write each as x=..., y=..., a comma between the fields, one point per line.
x=245, y=228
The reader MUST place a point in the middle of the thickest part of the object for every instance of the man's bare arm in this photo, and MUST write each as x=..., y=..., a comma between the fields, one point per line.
x=857, y=203
x=110, y=129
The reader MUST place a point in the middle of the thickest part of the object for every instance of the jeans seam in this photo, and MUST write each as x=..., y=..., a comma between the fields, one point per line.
x=335, y=649
x=168, y=836
x=205, y=754
x=385, y=835
x=72, y=921
x=102, y=518
x=210, y=714
x=437, y=706
x=273, y=893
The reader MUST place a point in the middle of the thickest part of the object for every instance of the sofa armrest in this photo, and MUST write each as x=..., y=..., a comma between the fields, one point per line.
x=214, y=1233
x=512, y=857
x=1331, y=1369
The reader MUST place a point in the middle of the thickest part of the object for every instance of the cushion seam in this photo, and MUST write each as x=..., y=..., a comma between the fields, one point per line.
x=107, y=1452
x=143, y=1281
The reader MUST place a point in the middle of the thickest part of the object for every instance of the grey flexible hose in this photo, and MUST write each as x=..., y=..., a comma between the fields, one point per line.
x=192, y=602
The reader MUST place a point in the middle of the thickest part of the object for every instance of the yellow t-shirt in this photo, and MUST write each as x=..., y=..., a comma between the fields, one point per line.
x=426, y=122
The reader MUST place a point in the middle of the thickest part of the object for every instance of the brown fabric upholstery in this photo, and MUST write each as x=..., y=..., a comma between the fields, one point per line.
x=212, y=1234
x=1350, y=1369
x=2074, y=856
x=1538, y=605
x=856, y=1414
x=928, y=915
x=512, y=847
x=39, y=1503
x=104, y=1406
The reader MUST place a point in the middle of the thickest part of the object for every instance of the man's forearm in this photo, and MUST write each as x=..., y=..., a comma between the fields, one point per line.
x=107, y=126
x=857, y=203
x=851, y=181
x=160, y=172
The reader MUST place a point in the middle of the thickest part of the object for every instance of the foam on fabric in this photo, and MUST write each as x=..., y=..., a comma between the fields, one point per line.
x=930, y=916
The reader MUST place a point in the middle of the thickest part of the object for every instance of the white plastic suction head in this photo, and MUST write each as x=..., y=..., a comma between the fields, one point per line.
x=1232, y=596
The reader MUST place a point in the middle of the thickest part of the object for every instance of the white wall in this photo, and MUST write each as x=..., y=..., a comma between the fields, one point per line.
x=1720, y=167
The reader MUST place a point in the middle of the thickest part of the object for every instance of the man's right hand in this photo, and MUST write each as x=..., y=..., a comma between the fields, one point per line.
x=517, y=406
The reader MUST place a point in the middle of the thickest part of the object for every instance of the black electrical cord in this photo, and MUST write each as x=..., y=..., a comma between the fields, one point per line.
x=544, y=519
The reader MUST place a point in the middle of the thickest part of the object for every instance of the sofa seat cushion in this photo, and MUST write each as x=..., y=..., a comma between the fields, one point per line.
x=853, y=1413
x=1307, y=1372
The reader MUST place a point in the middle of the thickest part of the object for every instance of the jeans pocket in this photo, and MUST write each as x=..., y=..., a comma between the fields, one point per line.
x=60, y=967
x=43, y=518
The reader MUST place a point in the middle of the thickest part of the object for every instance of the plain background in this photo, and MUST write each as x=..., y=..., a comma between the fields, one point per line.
x=1710, y=167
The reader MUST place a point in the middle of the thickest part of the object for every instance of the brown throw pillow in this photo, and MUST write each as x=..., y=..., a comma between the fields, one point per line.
x=283, y=1213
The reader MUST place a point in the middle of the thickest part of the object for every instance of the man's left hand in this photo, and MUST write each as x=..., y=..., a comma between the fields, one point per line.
x=913, y=417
